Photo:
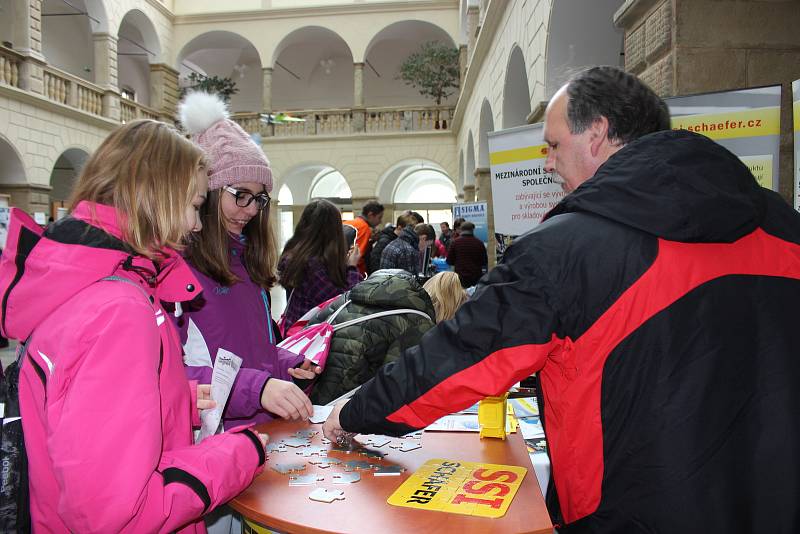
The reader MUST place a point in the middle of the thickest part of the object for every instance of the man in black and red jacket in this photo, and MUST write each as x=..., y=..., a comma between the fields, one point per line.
x=658, y=302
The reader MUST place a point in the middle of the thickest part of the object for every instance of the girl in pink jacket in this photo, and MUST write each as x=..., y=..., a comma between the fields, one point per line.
x=106, y=407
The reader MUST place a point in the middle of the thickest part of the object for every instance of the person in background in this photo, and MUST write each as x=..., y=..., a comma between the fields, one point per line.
x=446, y=237
x=456, y=229
x=403, y=252
x=658, y=304
x=467, y=255
x=316, y=265
x=107, y=410
x=234, y=257
x=446, y=293
x=427, y=240
x=371, y=216
x=386, y=236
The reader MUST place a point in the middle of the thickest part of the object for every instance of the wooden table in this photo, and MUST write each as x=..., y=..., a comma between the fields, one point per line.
x=271, y=502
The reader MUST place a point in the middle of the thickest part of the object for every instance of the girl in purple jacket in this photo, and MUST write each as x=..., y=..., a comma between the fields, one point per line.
x=106, y=408
x=234, y=258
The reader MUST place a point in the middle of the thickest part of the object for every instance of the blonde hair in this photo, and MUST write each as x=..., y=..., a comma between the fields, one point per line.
x=446, y=293
x=148, y=172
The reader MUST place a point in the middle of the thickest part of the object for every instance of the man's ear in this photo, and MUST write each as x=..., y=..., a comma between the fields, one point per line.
x=599, y=134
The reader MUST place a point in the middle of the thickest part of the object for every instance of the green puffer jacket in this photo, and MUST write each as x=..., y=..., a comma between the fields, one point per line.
x=358, y=351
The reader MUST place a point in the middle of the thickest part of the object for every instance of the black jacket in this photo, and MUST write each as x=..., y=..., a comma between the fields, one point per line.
x=385, y=237
x=659, y=304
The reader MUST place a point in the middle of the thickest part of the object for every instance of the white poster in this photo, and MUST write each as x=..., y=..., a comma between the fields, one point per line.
x=796, y=115
x=747, y=122
x=521, y=189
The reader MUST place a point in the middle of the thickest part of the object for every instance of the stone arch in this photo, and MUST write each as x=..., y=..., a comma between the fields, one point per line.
x=228, y=55
x=67, y=29
x=389, y=179
x=138, y=47
x=424, y=186
x=516, y=96
x=384, y=54
x=575, y=40
x=486, y=126
x=312, y=68
x=65, y=173
x=12, y=169
x=331, y=184
x=285, y=196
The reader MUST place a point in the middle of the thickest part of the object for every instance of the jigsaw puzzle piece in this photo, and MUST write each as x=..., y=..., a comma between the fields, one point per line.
x=325, y=495
x=346, y=478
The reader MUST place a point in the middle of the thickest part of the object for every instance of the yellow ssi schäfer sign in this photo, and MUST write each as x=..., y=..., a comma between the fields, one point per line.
x=458, y=487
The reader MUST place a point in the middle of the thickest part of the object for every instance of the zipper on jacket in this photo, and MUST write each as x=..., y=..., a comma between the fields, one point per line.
x=269, y=316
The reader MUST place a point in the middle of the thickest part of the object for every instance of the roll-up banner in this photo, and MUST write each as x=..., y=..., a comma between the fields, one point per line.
x=522, y=191
x=474, y=212
x=796, y=115
x=746, y=122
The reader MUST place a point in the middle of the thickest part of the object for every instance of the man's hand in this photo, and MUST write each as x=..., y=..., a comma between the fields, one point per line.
x=332, y=428
x=286, y=400
x=307, y=371
x=204, y=400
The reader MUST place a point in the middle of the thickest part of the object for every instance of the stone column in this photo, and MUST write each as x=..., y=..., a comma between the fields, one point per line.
x=266, y=96
x=469, y=193
x=297, y=211
x=28, y=41
x=105, y=72
x=358, y=85
x=483, y=180
x=473, y=24
x=30, y=197
x=463, y=62
x=164, y=91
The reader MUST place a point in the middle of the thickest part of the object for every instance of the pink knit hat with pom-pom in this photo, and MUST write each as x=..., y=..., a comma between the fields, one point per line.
x=233, y=157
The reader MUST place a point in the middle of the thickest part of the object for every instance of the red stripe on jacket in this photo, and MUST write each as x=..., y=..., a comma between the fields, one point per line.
x=493, y=375
x=572, y=383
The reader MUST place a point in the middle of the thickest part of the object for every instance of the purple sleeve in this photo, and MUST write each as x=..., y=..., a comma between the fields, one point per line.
x=201, y=373
x=353, y=277
x=245, y=398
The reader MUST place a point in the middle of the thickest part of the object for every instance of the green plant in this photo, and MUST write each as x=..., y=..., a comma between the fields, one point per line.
x=224, y=87
x=433, y=70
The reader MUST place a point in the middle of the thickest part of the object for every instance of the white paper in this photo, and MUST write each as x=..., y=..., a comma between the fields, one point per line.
x=321, y=414
x=226, y=367
x=531, y=427
x=456, y=423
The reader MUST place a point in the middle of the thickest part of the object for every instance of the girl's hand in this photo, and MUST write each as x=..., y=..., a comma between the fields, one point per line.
x=306, y=371
x=204, y=400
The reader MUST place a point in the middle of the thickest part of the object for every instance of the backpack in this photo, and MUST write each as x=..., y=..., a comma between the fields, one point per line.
x=15, y=506
x=314, y=342
x=15, y=509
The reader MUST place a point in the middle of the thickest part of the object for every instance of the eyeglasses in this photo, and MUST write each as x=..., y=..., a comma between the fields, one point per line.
x=245, y=198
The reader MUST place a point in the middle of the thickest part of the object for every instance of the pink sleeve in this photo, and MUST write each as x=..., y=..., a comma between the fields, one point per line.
x=107, y=446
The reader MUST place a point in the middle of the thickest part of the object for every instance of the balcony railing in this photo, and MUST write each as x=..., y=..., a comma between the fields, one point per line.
x=350, y=121
x=129, y=111
x=70, y=90
x=10, y=62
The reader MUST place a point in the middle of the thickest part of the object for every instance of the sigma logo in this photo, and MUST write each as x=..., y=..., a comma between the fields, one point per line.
x=159, y=317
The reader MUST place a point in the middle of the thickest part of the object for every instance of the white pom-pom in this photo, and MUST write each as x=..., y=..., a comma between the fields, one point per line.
x=200, y=110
